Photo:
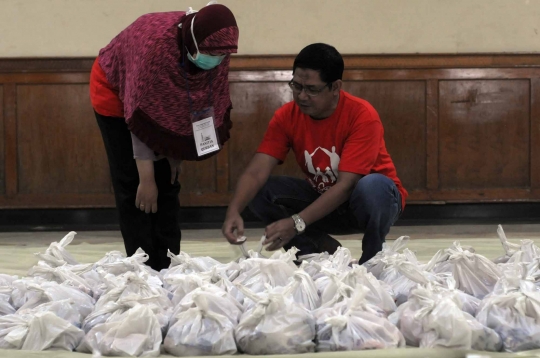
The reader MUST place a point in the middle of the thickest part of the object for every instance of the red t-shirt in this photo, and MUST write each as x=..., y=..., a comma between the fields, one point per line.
x=103, y=97
x=350, y=140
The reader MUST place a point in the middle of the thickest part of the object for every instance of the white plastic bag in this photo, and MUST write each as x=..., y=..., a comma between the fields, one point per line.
x=41, y=331
x=275, y=325
x=358, y=331
x=7, y=280
x=229, y=271
x=379, y=292
x=355, y=325
x=65, y=309
x=286, y=258
x=251, y=254
x=13, y=330
x=95, y=278
x=134, y=333
x=303, y=291
x=313, y=264
x=5, y=305
x=61, y=274
x=527, y=251
x=429, y=320
x=341, y=259
x=474, y=274
x=48, y=331
x=52, y=291
x=403, y=276
x=116, y=264
x=57, y=255
x=110, y=310
x=181, y=284
x=109, y=258
x=200, y=331
x=132, y=290
x=513, y=311
x=183, y=263
x=328, y=283
x=262, y=272
x=133, y=285
x=21, y=292
x=377, y=263
x=214, y=299
x=466, y=302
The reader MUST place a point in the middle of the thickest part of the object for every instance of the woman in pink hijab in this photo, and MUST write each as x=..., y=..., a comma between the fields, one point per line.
x=160, y=93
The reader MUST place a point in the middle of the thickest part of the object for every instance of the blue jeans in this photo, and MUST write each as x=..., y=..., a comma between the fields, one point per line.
x=374, y=206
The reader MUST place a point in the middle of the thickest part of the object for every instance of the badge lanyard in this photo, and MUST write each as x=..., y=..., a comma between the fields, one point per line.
x=203, y=122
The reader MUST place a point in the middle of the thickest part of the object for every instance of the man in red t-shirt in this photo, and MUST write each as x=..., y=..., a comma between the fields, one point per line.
x=351, y=183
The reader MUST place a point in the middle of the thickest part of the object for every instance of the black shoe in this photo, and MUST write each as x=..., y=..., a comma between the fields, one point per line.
x=328, y=244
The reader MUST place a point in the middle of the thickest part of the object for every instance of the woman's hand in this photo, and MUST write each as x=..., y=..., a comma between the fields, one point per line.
x=176, y=168
x=147, y=194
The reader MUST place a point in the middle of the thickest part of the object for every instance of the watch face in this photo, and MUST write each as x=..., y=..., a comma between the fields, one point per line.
x=299, y=224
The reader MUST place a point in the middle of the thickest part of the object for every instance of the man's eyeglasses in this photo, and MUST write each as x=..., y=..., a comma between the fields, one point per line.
x=309, y=90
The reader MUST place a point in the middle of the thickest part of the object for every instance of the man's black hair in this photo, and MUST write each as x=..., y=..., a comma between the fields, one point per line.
x=322, y=58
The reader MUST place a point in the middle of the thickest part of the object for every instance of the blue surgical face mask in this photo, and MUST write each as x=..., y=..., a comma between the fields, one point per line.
x=201, y=60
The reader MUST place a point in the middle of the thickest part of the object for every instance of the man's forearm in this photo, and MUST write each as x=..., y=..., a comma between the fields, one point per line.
x=326, y=203
x=247, y=187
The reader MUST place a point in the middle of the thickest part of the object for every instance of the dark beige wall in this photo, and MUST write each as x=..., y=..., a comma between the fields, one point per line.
x=59, y=28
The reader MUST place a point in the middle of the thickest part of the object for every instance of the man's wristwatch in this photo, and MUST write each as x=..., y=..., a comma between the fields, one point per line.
x=299, y=224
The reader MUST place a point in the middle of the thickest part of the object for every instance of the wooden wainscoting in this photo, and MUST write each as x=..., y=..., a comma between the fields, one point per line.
x=460, y=128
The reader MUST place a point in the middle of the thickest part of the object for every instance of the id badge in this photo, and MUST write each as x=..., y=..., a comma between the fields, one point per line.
x=204, y=131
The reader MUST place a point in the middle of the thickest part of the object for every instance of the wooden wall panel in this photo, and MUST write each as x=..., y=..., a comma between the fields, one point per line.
x=254, y=106
x=432, y=135
x=535, y=135
x=10, y=140
x=402, y=108
x=2, y=143
x=199, y=178
x=60, y=149
x=460, y=128
x=484, y=134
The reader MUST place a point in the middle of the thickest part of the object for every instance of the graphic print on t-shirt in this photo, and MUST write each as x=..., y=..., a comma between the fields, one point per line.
x=323, y=164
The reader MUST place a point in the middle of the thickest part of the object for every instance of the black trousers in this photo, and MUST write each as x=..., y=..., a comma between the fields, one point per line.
x=154, y=233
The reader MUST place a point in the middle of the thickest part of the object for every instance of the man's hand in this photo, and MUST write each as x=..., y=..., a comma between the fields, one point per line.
x=279, y=233
x=249, y=183
x=146, y=199
x=233, y=222
x=175, y=168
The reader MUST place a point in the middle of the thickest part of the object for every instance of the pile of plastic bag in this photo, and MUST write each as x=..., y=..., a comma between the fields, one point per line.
x=261, y=305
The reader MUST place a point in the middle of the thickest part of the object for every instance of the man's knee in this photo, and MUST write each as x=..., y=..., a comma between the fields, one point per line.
x=373, y=187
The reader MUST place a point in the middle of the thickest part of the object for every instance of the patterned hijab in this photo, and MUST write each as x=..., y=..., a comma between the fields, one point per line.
x=214, y=28
x=147, y=64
